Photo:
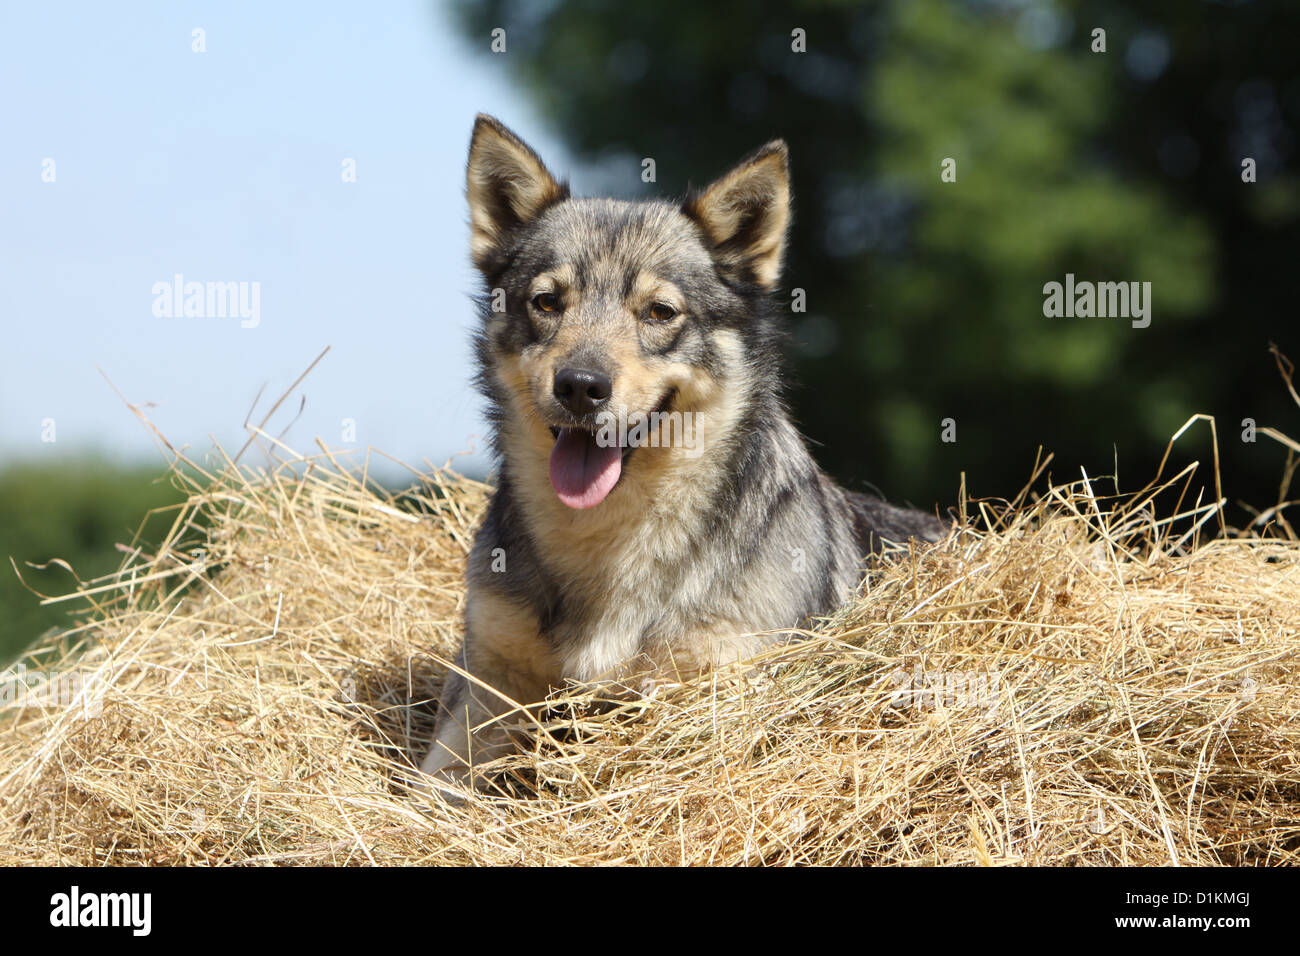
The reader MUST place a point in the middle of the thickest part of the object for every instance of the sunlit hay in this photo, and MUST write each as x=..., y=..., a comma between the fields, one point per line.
x=1083, y=681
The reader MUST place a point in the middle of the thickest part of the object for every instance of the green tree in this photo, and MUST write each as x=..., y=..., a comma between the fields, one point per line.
x=74, y=511
x=925, y=297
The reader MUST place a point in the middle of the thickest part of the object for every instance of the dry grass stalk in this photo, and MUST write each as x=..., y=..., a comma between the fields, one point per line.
x=1078, y=683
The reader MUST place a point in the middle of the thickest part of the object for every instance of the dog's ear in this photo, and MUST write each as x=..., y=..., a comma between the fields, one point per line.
x=508, y=186
x=746, y=213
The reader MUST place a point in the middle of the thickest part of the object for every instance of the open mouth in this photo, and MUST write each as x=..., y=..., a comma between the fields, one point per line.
x=584, y=470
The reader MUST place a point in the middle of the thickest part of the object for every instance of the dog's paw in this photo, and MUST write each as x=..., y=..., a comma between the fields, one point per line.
x=446, y=786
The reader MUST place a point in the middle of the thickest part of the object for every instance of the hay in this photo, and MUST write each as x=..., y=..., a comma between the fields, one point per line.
x=1080, y=682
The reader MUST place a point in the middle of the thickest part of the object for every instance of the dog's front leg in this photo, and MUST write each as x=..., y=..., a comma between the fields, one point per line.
x=509, y=664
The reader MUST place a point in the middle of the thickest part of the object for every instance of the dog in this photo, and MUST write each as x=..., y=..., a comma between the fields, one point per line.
x=656, y=511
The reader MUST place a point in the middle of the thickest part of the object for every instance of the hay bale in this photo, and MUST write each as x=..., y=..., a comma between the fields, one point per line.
x=1071, y=685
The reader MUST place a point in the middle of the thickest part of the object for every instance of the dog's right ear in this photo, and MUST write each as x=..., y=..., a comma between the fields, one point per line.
x=508, y=186
x=746, y=213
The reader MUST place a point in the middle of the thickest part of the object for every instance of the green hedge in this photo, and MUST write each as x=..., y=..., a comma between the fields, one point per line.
x=76, y=510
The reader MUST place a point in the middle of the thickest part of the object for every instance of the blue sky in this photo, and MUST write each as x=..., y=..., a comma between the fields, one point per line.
x=226, y=166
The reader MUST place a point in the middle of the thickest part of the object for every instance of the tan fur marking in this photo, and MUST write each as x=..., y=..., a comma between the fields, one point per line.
x=652, y=517
x=502, y=169
x=755, y=191
x=505, y=650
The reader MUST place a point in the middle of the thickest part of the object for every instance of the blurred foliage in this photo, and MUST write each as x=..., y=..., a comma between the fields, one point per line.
x=76, y=511
x=925, y=297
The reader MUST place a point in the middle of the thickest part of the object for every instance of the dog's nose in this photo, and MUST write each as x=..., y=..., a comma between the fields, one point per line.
x=582, y=391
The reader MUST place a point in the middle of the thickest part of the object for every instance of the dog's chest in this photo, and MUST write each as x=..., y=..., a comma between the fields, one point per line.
x=622, y=585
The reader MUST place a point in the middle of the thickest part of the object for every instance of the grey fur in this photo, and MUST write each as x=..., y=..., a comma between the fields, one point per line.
x=721, y=555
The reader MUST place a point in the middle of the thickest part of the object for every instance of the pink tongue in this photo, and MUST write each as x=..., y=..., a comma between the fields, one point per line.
x=582, y=472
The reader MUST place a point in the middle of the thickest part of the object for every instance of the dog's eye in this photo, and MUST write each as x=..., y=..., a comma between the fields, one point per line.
x=546, y=302
x=661, y=312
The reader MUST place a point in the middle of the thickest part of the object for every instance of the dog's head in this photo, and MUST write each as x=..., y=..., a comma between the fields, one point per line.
x=616, y=332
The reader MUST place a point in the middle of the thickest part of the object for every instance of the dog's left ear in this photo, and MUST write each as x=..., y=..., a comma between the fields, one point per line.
x=508, y=186
x=746, y=213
